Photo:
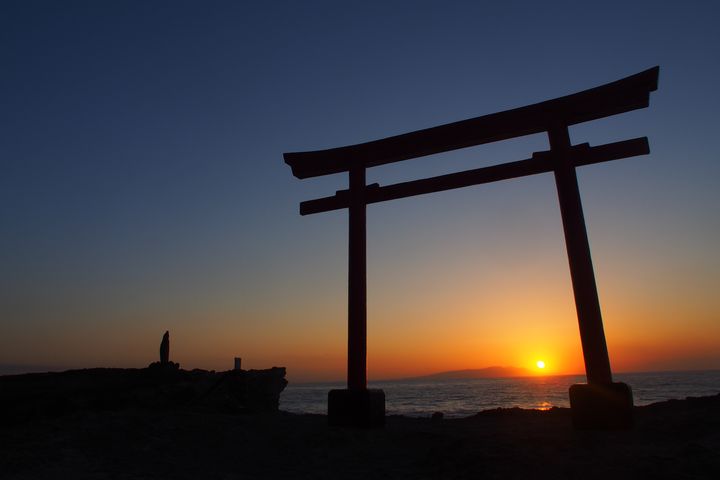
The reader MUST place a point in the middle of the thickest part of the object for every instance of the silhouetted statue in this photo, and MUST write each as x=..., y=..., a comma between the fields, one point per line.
x=165, y=348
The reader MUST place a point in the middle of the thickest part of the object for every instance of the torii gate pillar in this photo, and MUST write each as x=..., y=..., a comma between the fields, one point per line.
x=357, y=405
x=601, y=402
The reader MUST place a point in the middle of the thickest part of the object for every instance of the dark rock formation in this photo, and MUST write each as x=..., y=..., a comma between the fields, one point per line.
x=253, y=390
x=158, y=387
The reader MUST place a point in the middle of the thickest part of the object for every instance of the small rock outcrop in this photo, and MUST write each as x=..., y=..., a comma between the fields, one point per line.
x=39, y=395
x=244, y=390
x=160, y=386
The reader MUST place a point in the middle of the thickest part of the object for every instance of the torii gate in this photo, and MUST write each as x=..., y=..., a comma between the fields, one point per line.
x=601, y=403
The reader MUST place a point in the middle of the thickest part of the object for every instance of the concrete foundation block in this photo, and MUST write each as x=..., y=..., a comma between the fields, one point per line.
x=607, y=406
x=356, y=408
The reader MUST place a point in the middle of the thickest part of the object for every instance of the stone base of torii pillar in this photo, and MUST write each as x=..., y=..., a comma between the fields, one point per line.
x=356, y=408
x=601, y=406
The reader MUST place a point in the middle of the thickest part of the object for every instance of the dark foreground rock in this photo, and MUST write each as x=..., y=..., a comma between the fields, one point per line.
x=158, y=387
x=670, y=440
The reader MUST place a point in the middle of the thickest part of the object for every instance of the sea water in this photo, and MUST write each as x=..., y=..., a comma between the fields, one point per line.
x=460, y=398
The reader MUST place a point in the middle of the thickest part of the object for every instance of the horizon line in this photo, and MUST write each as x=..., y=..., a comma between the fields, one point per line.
x=582, y=374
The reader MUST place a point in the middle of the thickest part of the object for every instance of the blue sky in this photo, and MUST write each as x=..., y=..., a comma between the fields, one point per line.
x=142, y=185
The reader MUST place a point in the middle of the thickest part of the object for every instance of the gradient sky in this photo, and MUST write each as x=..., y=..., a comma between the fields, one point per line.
x=142, y=186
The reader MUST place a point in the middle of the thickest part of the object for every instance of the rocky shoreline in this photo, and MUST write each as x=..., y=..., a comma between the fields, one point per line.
x=161, y=386
x=201, y=439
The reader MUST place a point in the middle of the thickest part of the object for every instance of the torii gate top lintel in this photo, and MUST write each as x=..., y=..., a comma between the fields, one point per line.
x=620, y=96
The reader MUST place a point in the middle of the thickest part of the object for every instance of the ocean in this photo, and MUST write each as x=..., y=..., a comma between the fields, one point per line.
x=461, y=398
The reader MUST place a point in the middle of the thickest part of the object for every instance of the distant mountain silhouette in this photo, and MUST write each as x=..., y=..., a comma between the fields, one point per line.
x=489, y=372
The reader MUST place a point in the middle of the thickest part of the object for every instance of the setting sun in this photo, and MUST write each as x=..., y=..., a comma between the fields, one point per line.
x=540, y=364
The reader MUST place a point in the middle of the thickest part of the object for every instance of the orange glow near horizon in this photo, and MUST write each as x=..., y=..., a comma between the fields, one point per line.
x=449, y=333
x=427, y=313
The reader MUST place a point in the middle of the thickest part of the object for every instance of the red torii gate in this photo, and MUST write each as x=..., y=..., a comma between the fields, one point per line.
x=601, y=403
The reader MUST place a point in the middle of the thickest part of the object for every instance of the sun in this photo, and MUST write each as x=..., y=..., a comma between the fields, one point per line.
x=540, y=364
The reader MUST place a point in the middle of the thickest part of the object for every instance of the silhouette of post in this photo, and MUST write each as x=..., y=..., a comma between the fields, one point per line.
x=357, y=406
x=357, y=282
x=165, y=349
x=587, y=304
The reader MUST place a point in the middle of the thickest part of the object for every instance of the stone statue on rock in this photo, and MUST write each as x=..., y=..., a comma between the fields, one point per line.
x=165, y=348
x=164, y=363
